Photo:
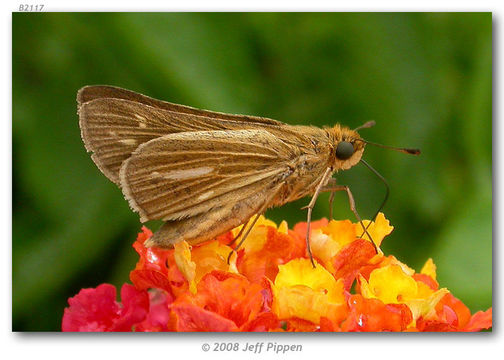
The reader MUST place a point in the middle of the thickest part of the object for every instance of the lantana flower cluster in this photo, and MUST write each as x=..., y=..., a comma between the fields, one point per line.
x=269, y=284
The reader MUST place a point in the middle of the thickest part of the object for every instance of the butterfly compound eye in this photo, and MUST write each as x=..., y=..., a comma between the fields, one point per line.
x=344, y=150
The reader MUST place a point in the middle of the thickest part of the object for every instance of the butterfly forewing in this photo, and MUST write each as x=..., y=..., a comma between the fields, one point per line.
x=181, y=175
x=89, y=93
x=112, y=129
x=114, y=122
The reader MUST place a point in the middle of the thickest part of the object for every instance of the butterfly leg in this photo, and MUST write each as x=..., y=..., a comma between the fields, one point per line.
x=333, y=188
x=310, y=206
x=244, y=236
x=239, y=233
x=331, y=182
x=331, y=198
x=259, y=213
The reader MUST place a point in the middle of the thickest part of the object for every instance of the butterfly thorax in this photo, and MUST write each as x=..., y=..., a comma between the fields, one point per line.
x=311, y=156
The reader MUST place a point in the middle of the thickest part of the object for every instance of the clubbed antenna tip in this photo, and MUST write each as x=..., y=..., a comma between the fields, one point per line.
x=413, y=151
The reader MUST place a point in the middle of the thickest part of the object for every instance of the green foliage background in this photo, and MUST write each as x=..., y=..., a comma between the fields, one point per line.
x=425, y=78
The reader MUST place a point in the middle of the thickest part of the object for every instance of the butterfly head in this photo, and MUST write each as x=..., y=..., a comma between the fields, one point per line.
x=347, y=148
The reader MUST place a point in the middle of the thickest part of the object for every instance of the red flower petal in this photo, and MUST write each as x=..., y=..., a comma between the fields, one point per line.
x=91, y=310
x=434, y=326
x=480, y=320
x=150, y=258
x=278, y=249
x=374, y=315
x=231, y=296
x=159, y=312
x=189, y=317
x=300, y=325
x=148, y=279
x=135, y=306
x=156, y=268
x=300, y=228
x=144, y=235
x=97, y=310
x=350, y=259
x=335, y=319
x=426, y=279
x=327, y=325
x=462, y=312
x=450, y=316
x=265, y=321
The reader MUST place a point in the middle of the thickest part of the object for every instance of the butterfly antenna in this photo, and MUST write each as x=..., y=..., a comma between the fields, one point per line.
x=366, y=125
x=403, y=150
x=386, y=187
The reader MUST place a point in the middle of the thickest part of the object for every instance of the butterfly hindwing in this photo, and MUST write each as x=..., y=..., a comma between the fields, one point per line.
x=181, y=175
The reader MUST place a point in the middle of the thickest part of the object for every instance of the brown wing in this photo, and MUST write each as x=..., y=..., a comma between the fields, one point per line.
x=208, y=225
x=114, y=122
x=93, y=92
x=181, y=175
